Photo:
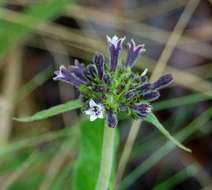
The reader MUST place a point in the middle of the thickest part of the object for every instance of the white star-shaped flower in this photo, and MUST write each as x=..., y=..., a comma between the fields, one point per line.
x=95, y=111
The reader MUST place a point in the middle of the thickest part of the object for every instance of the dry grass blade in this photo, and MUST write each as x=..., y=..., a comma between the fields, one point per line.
x=186, y=43
x=126, y=151
x=12, y=77
x=174, y=38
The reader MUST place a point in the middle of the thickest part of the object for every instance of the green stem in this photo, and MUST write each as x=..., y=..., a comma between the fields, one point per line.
x=107, y=159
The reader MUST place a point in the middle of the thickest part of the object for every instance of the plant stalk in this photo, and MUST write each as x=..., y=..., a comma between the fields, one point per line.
x=107, y=159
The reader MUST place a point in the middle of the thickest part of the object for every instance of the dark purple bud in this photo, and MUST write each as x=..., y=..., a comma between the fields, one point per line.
x=145, y=88
x=151, y=96
x=130, y=94
x=78, y=70
x=99, y=62
x=90, y=72
x=142, y=109
x=88, y=75
x=66, y=75
x=163, y=82
x=133, y=53
x=107, y=79
x=92, y=69
x=115, y=46
x=111, y=119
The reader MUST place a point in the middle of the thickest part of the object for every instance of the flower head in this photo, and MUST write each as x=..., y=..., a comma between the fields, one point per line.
x=107, y=89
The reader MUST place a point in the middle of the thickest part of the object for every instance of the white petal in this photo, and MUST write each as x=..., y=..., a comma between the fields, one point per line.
x=144, y=72
x=62, y=67
x=88, y=112
x=129, y=45
x=133, y=43
x=93, y=117
x=115, y=39
x=92, y=103
x=101, y=116
x=149, y=109
x=100, y=107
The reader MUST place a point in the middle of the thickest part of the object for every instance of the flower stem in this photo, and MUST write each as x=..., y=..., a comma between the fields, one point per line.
x=107, y=159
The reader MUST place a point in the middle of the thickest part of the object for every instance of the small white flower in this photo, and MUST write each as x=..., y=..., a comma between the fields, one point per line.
x=95, y=111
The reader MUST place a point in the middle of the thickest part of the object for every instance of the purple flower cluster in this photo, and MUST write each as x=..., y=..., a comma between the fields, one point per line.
x=108, y=88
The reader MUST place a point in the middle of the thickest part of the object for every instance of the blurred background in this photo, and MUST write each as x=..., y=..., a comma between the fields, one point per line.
x=38, y=36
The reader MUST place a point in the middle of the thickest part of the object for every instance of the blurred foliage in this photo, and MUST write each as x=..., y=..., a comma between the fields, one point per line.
x=64, y=151
x=11, y=33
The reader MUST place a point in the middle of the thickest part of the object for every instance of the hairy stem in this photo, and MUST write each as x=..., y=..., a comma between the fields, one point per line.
x=107, y=159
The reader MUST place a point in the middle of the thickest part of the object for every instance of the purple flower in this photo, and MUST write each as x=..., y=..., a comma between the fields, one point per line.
x=64, y=74
x=151, y=96
x=107, y=89
x=111, y=119
x=99, y=62
x=115, y=46
x=78, y=69
x=142, y=110
x=133, y=53
x=163, y=82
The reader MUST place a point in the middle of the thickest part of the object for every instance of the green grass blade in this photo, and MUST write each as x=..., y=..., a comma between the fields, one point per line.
x=68, y=106
x=180, y=101
x=151, y=118
x=165, y=149
x=178, y=178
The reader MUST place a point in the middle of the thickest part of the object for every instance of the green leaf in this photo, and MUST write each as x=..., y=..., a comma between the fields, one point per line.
x=151, y=118
x=88, y=163
x=68, y=106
